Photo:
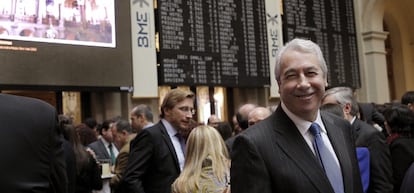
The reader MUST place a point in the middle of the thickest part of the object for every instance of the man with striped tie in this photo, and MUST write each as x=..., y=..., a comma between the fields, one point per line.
x=298, y=148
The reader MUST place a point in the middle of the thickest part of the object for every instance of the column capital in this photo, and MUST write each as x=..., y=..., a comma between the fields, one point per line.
x=375, y=35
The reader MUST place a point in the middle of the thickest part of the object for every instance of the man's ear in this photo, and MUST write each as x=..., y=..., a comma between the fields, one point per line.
x=347, y=108
x=411, y=106
x=278, y=86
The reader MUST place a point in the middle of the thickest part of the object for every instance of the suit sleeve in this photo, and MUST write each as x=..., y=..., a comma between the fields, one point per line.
x=139, y=161
x=121, y=164
x=247, y=160
x=400, y=162
x=381, y=167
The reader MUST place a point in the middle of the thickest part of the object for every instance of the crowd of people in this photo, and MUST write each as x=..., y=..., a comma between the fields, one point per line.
x=317, y=139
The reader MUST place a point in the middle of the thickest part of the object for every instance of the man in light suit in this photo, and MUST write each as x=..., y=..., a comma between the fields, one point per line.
x=278, y=153
x=32, y=156
x=156, y=156
x=123, y=134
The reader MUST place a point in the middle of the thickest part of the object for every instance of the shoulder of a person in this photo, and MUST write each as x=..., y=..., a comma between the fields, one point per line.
x=257, y=132
x=327, y=116
x=95, y=144
x=154, y=128
x=28, y=103
x=367, y=128
x=150, y=131
x=125, y=149
x=26, y=99
x=338, y=122
x=403, y=141
x=146, y=135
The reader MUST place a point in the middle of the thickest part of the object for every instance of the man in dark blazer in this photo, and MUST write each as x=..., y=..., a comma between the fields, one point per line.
x=242, y=117
x=101, y=146
x=277, y=154
x=105, y=149
x=407, y=184
x=370, y=114
x=365, y=135
x=32, y=156
x=156, y=156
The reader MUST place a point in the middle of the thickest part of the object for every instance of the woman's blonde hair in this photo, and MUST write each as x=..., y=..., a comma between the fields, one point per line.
x=204, y=144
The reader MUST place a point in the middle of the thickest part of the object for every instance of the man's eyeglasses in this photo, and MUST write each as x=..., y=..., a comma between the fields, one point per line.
x=187, y=110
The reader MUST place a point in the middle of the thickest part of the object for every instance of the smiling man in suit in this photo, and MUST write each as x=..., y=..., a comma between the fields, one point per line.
x=286, y=152
x=156, y=155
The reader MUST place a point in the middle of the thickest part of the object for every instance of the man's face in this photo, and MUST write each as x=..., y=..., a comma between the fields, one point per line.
x=214, y=121
x=181, y=114
x=346, y=108
x=411, y=106
x=302, y=84
x=107, y=135
x=237, y=128
x=120, y=138
x=135, y=122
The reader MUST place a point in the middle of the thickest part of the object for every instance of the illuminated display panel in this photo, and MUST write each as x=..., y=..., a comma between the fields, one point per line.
x=73, y=22
x=65, y=44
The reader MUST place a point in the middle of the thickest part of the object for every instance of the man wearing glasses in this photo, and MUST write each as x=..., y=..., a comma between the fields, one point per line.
x=157, y=153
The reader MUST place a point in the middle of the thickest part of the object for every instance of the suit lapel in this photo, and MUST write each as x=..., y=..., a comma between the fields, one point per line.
x=337, y=138
x=356, y=126
x=290, y=140
x=103, y=149
x=170, y=146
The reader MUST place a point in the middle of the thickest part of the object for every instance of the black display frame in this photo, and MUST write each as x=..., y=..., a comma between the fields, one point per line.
x=56, y=66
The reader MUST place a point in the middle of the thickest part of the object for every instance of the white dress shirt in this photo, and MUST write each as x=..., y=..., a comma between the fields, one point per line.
x=303, y=127
x=176, y=142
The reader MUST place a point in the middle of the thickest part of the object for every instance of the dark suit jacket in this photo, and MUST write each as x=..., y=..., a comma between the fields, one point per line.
x=32, y=157
x=407, y=184
x=380, y=158
x=272, y=156
x=99, y=148
x=70, y=161
x=229, y=143
x=153, y=164
x=402, y=155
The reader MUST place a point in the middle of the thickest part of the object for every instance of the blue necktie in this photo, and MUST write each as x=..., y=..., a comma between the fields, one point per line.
x=327, y=160
x=182, y=142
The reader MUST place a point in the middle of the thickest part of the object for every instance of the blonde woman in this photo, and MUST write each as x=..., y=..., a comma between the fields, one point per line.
x=207, y=163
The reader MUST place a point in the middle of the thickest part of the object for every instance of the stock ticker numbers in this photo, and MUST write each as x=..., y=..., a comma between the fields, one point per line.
x=331, y=24
x=213, y=43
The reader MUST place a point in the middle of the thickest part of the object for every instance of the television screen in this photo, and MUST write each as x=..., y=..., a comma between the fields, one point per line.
x=65, y=44
x=59, y=21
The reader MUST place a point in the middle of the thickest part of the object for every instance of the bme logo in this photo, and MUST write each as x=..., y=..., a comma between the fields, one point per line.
x=141, y=2
x=272, y=20
x=273, y=32
x=142, y=11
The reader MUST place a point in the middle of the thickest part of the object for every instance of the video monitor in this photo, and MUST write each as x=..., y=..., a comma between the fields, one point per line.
x=65, y=44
